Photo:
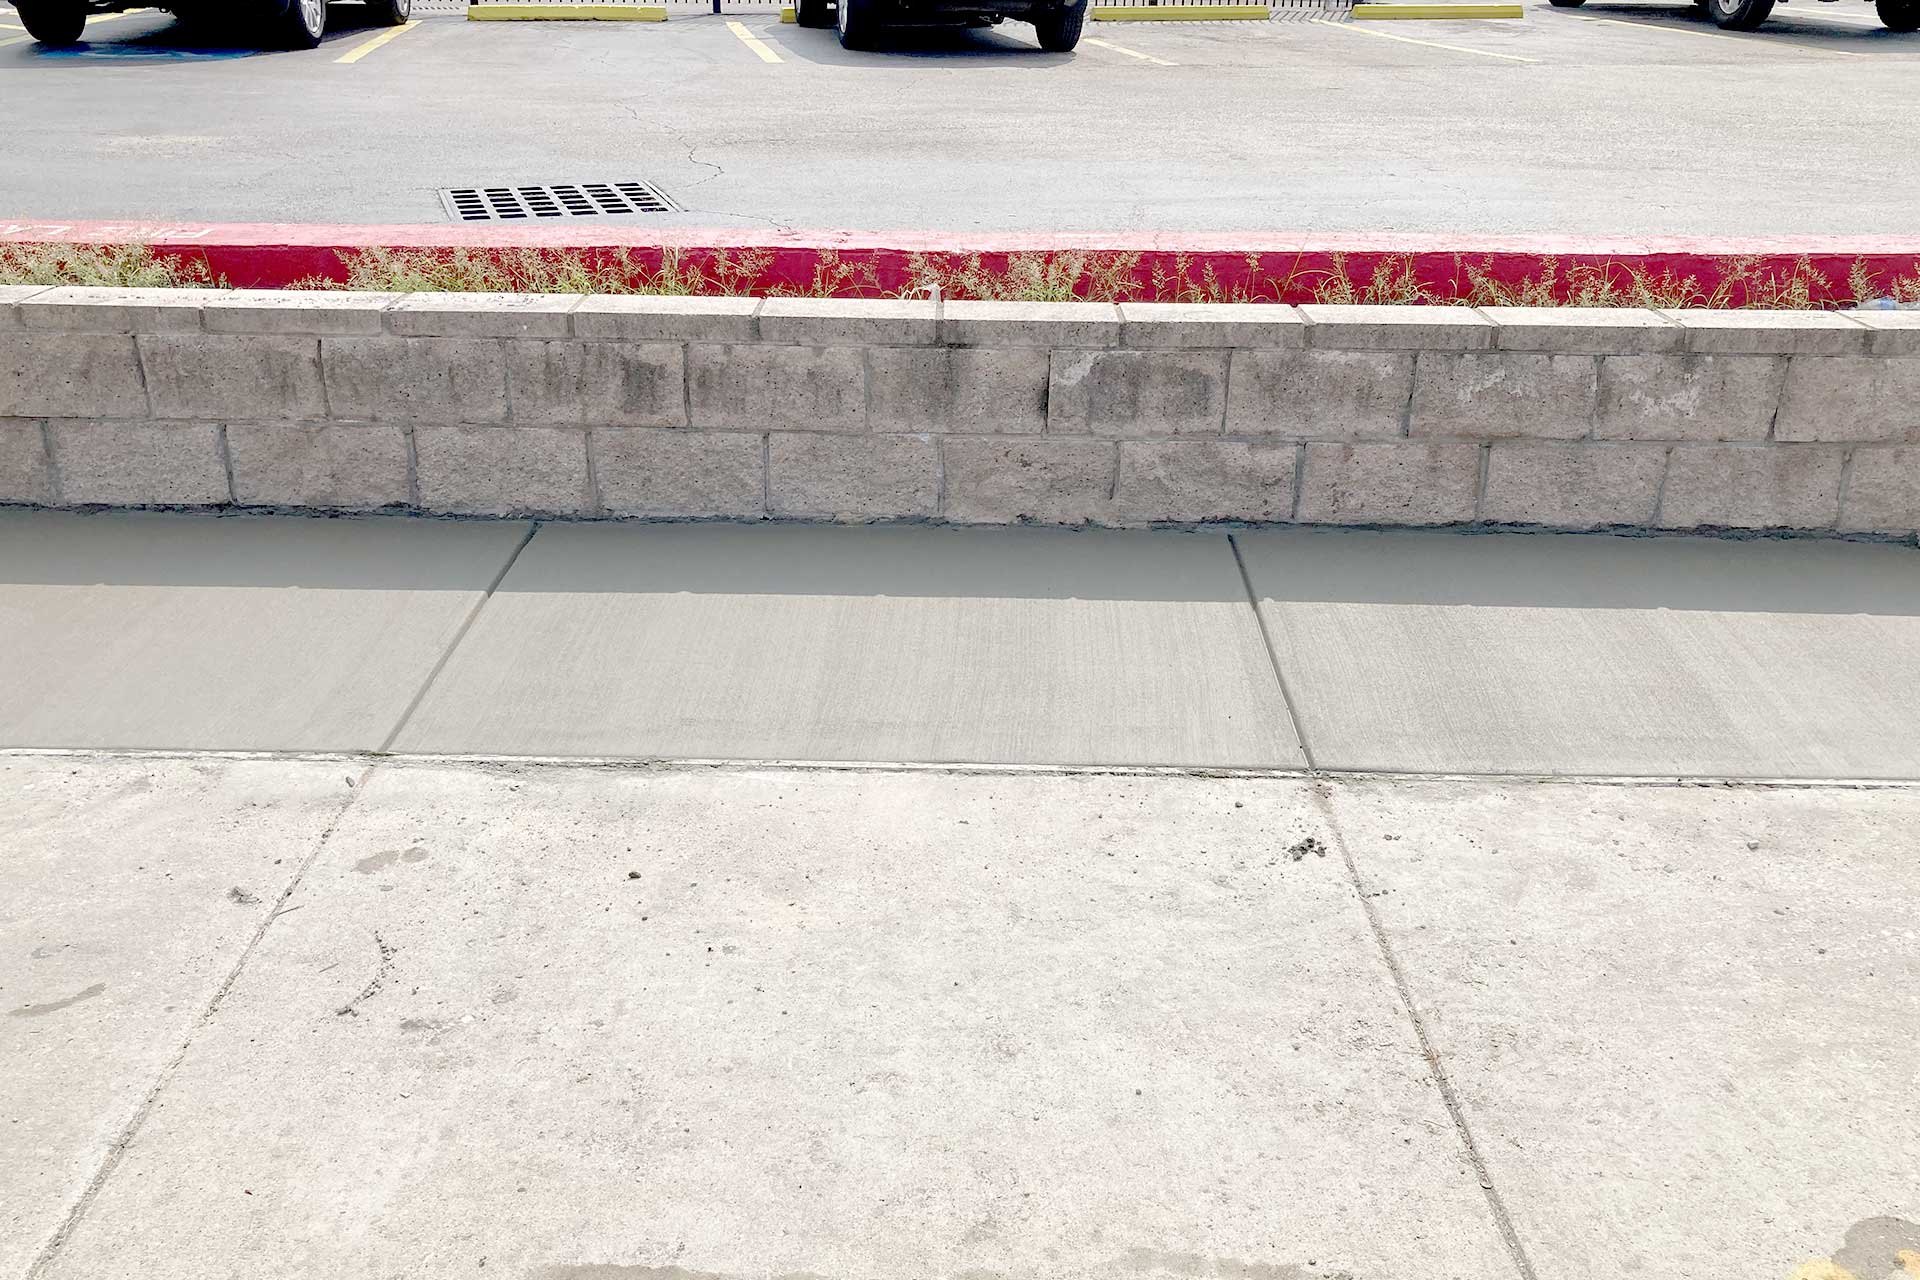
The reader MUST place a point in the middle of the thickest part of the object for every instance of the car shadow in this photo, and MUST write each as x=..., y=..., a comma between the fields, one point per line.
x=1784, y=21
x=175, y=40
x=913, y=46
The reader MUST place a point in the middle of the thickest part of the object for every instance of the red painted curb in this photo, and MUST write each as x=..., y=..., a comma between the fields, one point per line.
x=1259, y=265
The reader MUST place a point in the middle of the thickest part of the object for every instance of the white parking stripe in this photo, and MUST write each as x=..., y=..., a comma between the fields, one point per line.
x=1131, y=53
x=1755, y=39
x=1431, y=44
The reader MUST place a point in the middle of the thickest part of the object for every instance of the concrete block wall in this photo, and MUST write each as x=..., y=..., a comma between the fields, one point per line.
x=964, y=411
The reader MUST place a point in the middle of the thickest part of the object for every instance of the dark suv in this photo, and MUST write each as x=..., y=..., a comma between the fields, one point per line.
x=288, y=24
x=1057, y=22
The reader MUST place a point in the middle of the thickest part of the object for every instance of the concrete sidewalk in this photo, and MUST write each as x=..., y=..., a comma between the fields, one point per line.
x=1272, y=650
x=295, y=1019
x=331, y=984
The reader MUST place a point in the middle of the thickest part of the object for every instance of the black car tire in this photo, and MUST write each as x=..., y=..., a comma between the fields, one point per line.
x=1739, y=15
x=813, y=13
x=1566, y=4
x=389, y=13
x=299, y=25
x=859, y=23
x=58, y=23
x=1059, y=27
x=1899, y=15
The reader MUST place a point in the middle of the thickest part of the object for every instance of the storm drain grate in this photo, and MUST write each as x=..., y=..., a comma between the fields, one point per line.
x=554, y=200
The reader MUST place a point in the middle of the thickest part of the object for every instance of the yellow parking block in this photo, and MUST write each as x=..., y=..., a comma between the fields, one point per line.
x=1179, y=13
x=789, y=14
x=1438, y=12
x=566, y=13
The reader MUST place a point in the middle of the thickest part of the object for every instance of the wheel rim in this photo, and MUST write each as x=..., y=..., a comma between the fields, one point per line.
x=840, y=16
x=314, y=14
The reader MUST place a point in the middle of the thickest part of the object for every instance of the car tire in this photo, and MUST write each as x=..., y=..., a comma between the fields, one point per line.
x=58, y=24
x=389, y=13
x=1738, y=15
x=300, y=25
x=1566, y=4
x=813, y=13
x=1059, y=27
x=1900, y=15
x=858, y=22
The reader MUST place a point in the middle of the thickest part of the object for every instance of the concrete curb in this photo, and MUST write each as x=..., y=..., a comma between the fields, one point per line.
x=1178, y=13
x=1436, y=12
x=566, y=13
x=968, y=412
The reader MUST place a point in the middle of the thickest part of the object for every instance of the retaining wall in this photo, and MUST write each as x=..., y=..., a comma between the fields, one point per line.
x=967, y=412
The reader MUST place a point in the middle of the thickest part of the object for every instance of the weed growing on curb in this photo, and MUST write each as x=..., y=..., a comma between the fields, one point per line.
x=117, y=266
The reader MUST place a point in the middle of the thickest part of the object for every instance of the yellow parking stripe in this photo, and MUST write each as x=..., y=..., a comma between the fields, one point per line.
x=361, y=50
x=753, y=42
x=1131, y=53
x=1431, y=44
x=1722, y=35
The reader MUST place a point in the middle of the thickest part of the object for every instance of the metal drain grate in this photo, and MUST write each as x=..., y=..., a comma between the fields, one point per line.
x=554, y=200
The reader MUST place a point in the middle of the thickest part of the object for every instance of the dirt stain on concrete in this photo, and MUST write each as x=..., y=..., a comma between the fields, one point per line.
x=1194, y=1264
x=1874, y=1249
x=55, y=1006
x=387, y=857
x=611, y=1271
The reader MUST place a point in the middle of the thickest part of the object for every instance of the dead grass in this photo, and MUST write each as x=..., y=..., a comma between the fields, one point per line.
x=123, y=266
x=1107, y=276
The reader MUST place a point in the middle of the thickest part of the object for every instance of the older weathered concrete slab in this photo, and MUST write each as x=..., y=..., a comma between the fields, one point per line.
x=916, y=644
x=1683, y=1021
x=128, y=889
x=230, y=633
x=1596, y=655
x=587, y=1023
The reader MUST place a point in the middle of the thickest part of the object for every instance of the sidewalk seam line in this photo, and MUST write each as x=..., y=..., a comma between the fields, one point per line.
x=1502, y=1220
x=1273, y=656
x=459, y=636
x=117, y=1151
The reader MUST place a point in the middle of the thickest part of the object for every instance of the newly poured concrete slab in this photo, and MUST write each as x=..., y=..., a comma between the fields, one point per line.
x=235, y=633
x=128, y=889
x=584, y=1023
x=1684, y=1021
x=911, y=644
x=1449, y=653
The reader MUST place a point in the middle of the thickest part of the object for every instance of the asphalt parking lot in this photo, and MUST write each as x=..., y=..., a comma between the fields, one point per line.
x=1613, y=119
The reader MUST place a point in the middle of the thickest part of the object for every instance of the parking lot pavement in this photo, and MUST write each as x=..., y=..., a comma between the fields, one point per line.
x=1612, y=119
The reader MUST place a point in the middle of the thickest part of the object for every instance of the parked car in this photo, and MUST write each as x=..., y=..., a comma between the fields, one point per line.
x=1058, y=23
x=289, y=24
x=1745, y=15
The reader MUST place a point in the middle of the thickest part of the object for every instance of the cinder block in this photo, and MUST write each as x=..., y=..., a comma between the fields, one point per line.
x=1770, y=333
x=327, y=465
x=26, y=473
x=1502, y=394
x=853, y=477
x=1595, y=331
x=233, y=376
x=84, y=309
x=1345, y=395
x=483, y=315
x=644, y=319
x=1656, y=397
x=1573, y=486
x=829, y=322
x=777, y=388
x=1196, y=480
x=1003, y=481
x=601, y=384
x=139, y=464
x=70, y=375
x=972, y=390
x=1405, y=482
x=1030, y=324
x=679, y=473
x=502, y=471
x=1397, y=328
x=450, y=380
x=1762, y=486
x=317, y=313
x=11, y=296
x=1157, y=325
x=1882, y=492
x=1138, y=393
x=1850, y=398
x=1889, y=333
